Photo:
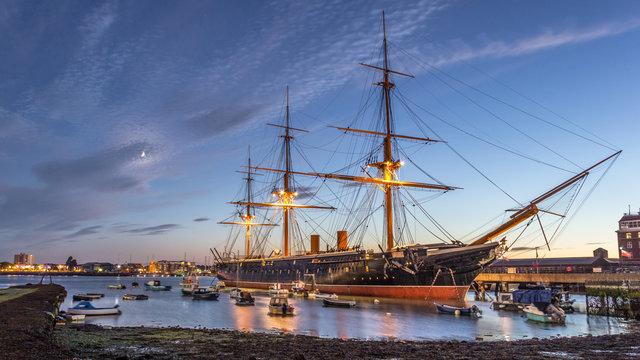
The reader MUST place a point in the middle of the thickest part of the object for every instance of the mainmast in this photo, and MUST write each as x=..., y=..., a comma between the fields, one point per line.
x=288, y=193
x=388, y=166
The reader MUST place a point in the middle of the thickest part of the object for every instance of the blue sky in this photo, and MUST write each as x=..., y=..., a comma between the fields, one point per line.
x=88, y=87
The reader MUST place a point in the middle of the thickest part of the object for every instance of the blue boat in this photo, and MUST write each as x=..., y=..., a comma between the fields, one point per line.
x=456, y=310
x=156, y=286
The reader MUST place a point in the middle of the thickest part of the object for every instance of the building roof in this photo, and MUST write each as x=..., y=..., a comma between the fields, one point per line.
x=568, y=261
x=627, y=217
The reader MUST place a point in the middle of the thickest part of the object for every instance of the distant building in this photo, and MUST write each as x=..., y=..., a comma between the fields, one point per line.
x=170, y=267
x=629, y=239
x=600, y=252
x=98, y=267
x=596, y=264
x=23, y=259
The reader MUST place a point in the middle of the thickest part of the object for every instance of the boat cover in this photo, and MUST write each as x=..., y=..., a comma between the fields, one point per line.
x=533, y=296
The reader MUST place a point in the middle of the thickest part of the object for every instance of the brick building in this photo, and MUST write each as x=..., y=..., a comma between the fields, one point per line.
x=629, y=239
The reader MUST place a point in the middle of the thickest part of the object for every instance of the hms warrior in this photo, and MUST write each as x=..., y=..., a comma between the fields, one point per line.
x=432, y=271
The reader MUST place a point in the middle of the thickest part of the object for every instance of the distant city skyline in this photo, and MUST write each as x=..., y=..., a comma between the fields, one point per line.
x=122, y=123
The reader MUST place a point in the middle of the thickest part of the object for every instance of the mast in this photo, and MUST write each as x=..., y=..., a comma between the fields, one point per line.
x=388, y=158
x=248, y=216
x=287, y=173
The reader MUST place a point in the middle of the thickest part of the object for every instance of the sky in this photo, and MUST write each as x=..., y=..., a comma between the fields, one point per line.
x=122, y=124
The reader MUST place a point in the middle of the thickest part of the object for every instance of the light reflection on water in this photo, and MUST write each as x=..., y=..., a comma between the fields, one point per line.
x=392, y=318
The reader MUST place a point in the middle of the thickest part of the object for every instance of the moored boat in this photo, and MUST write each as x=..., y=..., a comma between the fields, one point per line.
x=279, y=305
x=321, y=296
x=457, y=310
x=135, y=297
x=276, y=289
x=204, y=294
x=245, y=299
x=155, y=285
x=116, y=286
x=188, y=284
x=338, y=303
x=82, y=297
x=504, y=301
x=235, y=293
x=549, y=314
x=86, y=308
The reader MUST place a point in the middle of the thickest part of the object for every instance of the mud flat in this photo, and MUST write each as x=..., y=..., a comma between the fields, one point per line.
x=97, y=342
x=27, y=332
x=27, y=318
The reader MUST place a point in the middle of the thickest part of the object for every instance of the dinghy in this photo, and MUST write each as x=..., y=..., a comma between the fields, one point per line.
x=456, y=310
x=338, y=303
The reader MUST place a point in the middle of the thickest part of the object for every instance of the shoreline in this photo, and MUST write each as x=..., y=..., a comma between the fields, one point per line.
x=28, y=330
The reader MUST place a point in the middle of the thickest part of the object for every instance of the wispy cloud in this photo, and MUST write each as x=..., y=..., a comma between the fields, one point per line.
x=548, y=39
x=154, y=230
x=86, y=231
x=201, y=219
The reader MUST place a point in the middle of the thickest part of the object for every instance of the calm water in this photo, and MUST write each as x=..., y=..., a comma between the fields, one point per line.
x=392, y=318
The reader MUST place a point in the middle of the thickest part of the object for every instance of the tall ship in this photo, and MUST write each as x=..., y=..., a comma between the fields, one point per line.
x=395, y=269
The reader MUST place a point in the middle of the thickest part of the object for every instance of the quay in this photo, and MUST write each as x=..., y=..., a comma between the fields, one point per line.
x=566, y=279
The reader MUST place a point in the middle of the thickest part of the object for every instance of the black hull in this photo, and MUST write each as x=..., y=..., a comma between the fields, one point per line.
x=408, y=272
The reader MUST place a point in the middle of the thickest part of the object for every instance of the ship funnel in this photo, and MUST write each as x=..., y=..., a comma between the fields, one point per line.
x=315, y=244
x=342, y=240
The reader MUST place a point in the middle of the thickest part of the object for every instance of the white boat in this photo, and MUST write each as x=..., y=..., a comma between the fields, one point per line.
x=321, y=296
x=235, y=293
x=276, y=289
x=72, y=317
x=279, y=305
x=85, y=308
x=156, y=286
x=297, y=286
x=551, y=315
x=116, y=287
x=188, y=284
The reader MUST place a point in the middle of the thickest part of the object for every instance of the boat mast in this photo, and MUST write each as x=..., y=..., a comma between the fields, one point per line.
x=287, y=195
x=388, y=165
x=248, y=216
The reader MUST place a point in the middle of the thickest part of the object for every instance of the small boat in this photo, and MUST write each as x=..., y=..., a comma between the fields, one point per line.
x=71, y=317
x=116, y=287
x=220, y=286
x=93, y=295
x=279, y=305
x=235, y=293
x=297, y=286
x=82, y=297
x=135, y=297
x=322, y=296
x=204, y=294
x=456, y=310
x=275, y=289
x=86, y=308
x=156, y=286
x=245, y=299
x=188, y=284
x=504, y=301
x=339, y=303
x=549, y=315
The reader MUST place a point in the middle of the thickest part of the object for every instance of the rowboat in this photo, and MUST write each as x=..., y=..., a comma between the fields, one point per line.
x=456, y=310
x=86, y=308
x=116, y=287
x=339, y=303
x=135, y=297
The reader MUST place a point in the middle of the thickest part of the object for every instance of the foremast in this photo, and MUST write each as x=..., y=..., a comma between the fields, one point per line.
x=248, y=216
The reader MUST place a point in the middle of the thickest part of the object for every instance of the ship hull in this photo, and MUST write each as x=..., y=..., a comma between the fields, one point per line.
x=414, y=272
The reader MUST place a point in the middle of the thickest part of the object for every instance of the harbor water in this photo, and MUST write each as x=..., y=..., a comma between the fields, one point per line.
x=407, y=319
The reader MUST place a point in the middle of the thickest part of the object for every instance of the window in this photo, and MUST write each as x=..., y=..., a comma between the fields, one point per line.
x=628, y=235
x=629, y=245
